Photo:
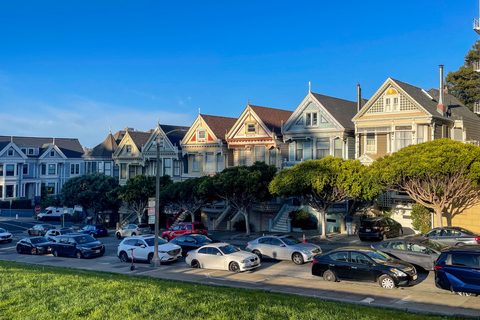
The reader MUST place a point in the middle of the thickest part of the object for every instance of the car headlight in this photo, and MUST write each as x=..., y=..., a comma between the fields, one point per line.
x=398, y=272
x=245, y=261
x=306, y=251
x=85, y=248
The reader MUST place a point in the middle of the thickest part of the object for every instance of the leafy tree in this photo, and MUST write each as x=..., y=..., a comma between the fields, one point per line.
x=442, y=175
x=91, y=191
x=465, y=82
x=136, y=191
x=240, y=187
x=46, y=199
x=421, y=218
x=184, y=196
x=322, y=183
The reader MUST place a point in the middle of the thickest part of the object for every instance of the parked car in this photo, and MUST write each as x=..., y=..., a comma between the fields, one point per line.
x=34, y=245
x=40, y=229
x=192, y=241
x=414, y=249
x=283, y=247
x=452, y=236
x=78, y=245
x=364, y=264
x=5, y=236
x=143, y=247
x=379, y=228
x=184, y=228
x=95, y=230
x=458, y=270
x=222, y=256
x=52, y=234
x=133, y=230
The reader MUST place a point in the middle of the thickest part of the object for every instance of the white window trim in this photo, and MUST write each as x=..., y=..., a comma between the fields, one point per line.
x=254, y=126
x=311, y=119
x=366, y=145
x=12, y=151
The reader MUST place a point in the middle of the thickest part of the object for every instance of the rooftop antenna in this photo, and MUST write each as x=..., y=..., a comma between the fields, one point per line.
x=248, y=102
x=110, y=130
x=198, y=110
x=309, y=87
x=158, y=121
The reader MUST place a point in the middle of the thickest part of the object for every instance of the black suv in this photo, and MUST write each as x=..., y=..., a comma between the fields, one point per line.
x=458, y=270
x=77, y=245
x=379, y=228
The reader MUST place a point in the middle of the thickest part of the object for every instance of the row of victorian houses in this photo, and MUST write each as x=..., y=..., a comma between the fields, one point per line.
x=397, y=115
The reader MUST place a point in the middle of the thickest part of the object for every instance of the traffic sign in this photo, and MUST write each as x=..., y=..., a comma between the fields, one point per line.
x=151, y=211
x=37, y=209
x=151, y=219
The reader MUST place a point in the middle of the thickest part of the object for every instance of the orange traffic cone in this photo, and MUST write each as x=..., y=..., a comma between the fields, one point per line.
x=304, y=238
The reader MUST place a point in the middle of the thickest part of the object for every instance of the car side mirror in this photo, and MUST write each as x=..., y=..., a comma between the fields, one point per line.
x=219, y=254
x=143, y=246
x=282, y=245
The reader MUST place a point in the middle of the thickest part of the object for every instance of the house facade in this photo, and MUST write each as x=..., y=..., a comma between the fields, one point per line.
x=204, y=146
x=257, y=136
x=29, y=163
x=100, y=158
x=319, y=127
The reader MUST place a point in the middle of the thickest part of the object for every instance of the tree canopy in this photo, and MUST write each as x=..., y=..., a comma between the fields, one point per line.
x=92, y=192
x=240, y=187
x=442, y=175
x=321, y=183
x=465, y=82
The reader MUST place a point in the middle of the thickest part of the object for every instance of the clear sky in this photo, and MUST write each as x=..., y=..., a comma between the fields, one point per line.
x=76, y=68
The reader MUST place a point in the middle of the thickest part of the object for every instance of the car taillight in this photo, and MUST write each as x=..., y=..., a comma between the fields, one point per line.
x=437, y=267
x=138, y=229
x=477, y=239
x=186, y=255
x=247, y=245
x=376, y=228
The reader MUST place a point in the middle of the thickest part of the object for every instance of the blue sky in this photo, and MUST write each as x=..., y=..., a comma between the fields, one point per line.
x=74, y=69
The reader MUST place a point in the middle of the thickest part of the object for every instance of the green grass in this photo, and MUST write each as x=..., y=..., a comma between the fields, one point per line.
x=37, y=292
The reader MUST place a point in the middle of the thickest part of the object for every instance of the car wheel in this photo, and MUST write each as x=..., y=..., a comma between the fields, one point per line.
x=259, y=255
x=297, y=258
x=362, y=239
x=459, y=244
x=123, y=256
x=133, y=234
x=166, y=238
x=55, y=253
x=33, y=251
x=78, y=255
x=384, y=237
x=196, y=264
x=92, y=234
x=329, y=276
x=234, y=267
x=386, y=282
x=150, y=257
x=19, y=250
x=119, y=236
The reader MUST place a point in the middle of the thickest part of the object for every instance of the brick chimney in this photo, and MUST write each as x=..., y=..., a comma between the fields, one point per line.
x=440, y=107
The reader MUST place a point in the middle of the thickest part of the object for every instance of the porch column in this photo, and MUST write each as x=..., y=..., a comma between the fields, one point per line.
x=357, y=145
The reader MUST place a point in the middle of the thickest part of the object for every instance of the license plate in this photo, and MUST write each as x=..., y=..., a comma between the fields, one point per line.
x=368, y=230
x=97, y=251
x=415, y=277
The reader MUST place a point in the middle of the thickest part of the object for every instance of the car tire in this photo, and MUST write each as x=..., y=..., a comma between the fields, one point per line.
x=150, y=257
x=259, y=255
x=19, y=250
x=123, y=256
x=195, y=264
x=92, y=234
x=297, y=258
x=119, y=236
x=384, y=237
x=79, y=255
x=234, y=267
x=166, y=238
x=55, y=253
x=459, y=244
x=362, y=239
x=386, y=282
x=133, y=234
x=329, y=276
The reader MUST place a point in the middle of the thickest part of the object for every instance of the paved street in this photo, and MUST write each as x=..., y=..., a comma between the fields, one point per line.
x=273, y=276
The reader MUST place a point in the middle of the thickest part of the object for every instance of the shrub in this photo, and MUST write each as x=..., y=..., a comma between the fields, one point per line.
x=421, y=218
x=302, y=219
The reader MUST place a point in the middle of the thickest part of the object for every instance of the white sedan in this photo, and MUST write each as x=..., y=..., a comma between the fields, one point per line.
x=222, y=256
x=5, y=236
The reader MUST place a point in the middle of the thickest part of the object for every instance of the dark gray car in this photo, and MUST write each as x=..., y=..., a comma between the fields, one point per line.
x=413, y=249
x=452, y=236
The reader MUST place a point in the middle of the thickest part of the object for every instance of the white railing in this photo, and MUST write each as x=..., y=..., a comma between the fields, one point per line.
x=476, y=107
x=217, y=221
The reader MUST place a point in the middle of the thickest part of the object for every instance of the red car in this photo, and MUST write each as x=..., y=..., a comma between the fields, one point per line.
x=184, y=228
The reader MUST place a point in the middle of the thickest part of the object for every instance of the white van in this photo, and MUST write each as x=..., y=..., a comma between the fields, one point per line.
x=55, y=213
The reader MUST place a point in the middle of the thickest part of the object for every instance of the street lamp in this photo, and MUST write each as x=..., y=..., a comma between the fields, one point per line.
x=156, y=259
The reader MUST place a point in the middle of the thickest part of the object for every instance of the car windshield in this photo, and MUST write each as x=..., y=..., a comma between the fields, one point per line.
x=378, y=257
x=369, y=224
x=84, y=239
x=150, y=241
x=229, y=249
x=203, y=239
x=290, y=240
x=68, y=231
x=143, y=225
x=2, y=230
x=433, y=244
x=38, y=240
x=198, y=226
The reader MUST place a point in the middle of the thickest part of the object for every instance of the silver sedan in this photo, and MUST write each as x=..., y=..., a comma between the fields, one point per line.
x=452, y=236
x=283, y=247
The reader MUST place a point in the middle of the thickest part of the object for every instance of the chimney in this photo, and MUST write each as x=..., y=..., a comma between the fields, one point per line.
x=440, y=107
x=359, y=97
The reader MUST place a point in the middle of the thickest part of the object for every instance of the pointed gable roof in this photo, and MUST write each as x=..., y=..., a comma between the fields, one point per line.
x=218, y=125
x=272, y=118
x=104, y=149
x=456, y=109
x=71, y=148
x=140, y=138
x=341, y=110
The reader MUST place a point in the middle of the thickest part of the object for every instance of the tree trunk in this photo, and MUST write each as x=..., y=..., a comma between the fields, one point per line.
x=247, y=222
x=192, y=215
x=321, y=218
x=438, y=213
x=449, y=219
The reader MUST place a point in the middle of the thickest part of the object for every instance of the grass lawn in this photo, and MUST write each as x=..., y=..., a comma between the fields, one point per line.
x=37, y=292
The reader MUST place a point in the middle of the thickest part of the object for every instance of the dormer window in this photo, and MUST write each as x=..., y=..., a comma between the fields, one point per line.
x=52, y=153
x=311, y=119
x=31, y=151
x=201, y=135
x=391, y=100
x=10, y=152
x=250, y=127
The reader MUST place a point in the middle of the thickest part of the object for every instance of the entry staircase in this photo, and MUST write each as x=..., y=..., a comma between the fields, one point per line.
x=221, y=223
x=280, y=222
x=179, y=217
x=131, y=218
